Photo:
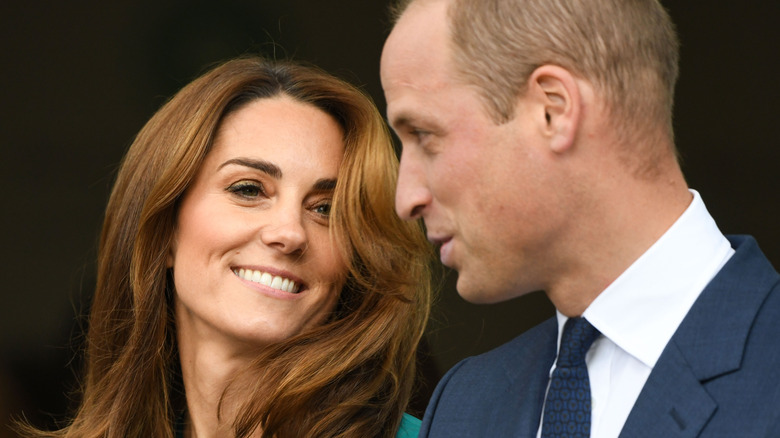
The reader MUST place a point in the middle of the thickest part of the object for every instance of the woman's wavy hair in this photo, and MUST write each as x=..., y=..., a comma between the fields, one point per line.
x=352, y=376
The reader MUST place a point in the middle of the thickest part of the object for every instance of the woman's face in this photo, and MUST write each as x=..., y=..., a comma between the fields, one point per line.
x=252, y=259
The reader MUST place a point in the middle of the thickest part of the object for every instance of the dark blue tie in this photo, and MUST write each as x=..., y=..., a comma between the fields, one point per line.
x=567, y=409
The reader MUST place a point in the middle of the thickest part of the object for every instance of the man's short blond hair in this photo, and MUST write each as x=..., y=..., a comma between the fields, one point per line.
x=628, y=49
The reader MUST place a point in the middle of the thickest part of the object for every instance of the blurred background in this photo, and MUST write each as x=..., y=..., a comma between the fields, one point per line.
x=80, y=78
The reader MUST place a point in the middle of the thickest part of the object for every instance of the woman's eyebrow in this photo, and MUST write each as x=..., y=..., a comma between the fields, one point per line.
x=325, y=185
x=264, y=166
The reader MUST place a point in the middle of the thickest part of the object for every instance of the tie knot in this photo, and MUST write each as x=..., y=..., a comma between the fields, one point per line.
x=578, y=335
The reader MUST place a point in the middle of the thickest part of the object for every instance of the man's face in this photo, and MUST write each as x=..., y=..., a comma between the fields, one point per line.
x=486, y=191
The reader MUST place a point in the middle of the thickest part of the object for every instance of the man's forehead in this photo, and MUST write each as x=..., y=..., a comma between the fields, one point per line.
x=411, y=100
x=416, y=53
x=415, y=65
x=421, y=28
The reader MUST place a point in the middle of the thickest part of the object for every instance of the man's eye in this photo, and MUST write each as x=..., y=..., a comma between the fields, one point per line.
x=419, y=134
x=247, y=189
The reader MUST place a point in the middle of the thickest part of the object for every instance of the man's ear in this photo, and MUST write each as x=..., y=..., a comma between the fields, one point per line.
x=558, y=92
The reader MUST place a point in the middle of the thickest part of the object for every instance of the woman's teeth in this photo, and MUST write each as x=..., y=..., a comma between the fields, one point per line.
x=266, y=279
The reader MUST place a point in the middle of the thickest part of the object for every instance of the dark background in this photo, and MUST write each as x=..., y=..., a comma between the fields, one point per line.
x=79, y=79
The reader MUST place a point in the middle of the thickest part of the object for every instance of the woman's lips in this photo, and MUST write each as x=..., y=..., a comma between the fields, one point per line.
x=278, y=282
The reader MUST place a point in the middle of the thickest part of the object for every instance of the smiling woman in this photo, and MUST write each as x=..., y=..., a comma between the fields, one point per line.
x=253, y=278
x=253, y=228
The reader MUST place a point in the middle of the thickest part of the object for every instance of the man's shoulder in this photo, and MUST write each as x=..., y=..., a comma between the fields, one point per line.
x=525, y=357
x=732, y=309
x=537, y=342
x=748, y=290
x=720, y=368
x=748, y=255
x=497, y=393
x=746, y=285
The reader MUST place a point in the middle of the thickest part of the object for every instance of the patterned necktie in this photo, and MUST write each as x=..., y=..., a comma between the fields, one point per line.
x=567, y=409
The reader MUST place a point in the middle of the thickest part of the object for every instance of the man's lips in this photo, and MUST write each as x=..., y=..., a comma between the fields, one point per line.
x=445, y=248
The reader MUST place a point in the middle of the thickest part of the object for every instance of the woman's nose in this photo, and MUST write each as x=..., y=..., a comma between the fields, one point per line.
x=285, y=232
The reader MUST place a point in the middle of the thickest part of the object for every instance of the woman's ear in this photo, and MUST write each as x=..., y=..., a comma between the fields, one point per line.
x=169, y=257
x=558, y=92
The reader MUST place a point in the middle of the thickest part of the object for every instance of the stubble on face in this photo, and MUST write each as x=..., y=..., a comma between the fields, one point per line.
x=492, y=197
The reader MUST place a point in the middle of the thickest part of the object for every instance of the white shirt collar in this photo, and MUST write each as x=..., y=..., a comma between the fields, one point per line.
x=642, y=308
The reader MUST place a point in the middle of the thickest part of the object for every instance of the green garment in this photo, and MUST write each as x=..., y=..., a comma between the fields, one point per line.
x=410, y=427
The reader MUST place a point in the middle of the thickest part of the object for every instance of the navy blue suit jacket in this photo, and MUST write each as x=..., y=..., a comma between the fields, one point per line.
x=719, y=376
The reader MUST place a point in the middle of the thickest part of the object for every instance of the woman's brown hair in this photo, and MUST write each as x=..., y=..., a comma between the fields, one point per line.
x=352, y=376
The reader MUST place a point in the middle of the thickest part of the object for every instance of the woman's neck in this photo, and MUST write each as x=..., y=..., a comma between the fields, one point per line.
x=208, y=365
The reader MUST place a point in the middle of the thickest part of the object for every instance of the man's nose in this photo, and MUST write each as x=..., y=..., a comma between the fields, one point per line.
x=412, y=195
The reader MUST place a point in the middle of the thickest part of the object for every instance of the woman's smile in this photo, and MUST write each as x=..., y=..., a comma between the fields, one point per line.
x=278, y=282
x=263, y=193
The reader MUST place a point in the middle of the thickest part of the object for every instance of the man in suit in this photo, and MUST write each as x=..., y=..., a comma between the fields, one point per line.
x=538, y=149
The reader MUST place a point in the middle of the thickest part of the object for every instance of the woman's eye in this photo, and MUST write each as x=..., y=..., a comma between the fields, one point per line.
x=247, y=189
x=323, y=209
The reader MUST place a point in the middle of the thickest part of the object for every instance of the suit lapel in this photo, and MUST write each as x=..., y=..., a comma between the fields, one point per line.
x=709, y=343
x=672, y=403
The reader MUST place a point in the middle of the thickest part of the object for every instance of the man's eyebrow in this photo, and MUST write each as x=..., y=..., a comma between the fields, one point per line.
x=264, y=166
x=412, y=120
x=400, y=120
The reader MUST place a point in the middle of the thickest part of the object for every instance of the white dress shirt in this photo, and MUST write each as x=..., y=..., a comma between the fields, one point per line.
x=640, y=311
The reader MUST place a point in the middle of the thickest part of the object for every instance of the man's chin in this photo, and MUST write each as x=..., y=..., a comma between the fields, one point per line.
x=475, y=292
x=481, y=292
